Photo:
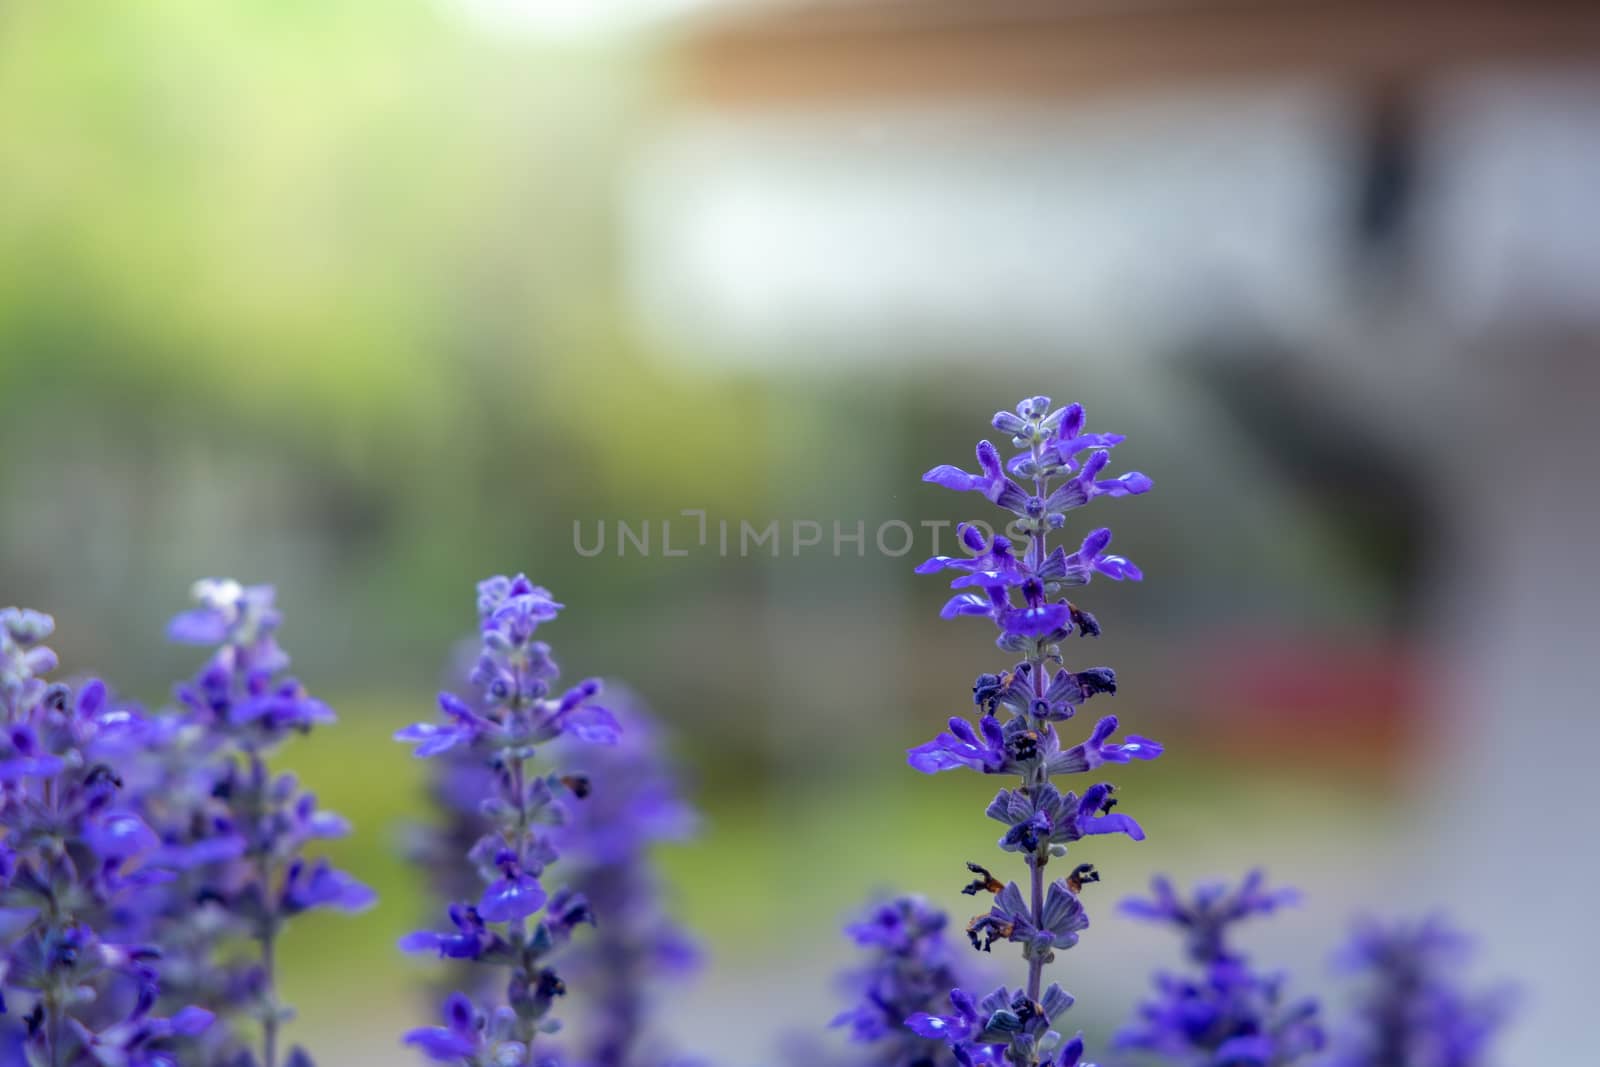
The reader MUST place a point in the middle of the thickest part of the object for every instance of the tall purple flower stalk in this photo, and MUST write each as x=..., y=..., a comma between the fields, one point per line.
x=1228, y=1014
x=1018, y=581
x=910, y=968
x=72, y=854
x=234, y=832
x=632, y=803
x=1413, y=1009
x=514, y=925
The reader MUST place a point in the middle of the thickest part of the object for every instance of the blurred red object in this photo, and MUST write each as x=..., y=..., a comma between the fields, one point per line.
x=1327, y=699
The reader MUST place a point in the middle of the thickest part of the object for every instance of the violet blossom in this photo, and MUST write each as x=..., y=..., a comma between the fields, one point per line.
x=1413, y=1008
x=513, y=922
x=72, y=853
x=236, y=834
x=1224, y=1013
x=909, y=968
x=1019, y=581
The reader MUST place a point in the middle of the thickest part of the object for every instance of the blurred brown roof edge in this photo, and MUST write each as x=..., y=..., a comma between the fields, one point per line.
x=833, y=52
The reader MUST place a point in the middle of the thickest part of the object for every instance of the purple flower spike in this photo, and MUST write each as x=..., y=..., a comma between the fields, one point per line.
x=80, y=982
x=229, y=833
x=1228, y=1012
x=1413, y=1004
x=909, y=972
x=515, y=823
x=1020, y=581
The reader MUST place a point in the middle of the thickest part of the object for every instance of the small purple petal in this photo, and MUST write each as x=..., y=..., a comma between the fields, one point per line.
x=593, y=724
x=198, y=626
x=511, y=898
x=191, y=1021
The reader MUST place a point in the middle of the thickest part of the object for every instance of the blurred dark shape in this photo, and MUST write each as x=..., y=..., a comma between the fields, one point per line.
x=1375, y=494
x=1387, y=179
x=1337, y=702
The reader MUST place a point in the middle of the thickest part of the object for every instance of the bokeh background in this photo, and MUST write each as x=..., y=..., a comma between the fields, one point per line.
x=373, y=298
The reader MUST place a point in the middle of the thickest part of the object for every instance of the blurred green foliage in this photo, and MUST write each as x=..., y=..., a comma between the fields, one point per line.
x=323, y=292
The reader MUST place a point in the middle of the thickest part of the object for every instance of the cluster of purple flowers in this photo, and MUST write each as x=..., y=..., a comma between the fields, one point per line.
x=1228, y=1014
x=76, y=991
x=1019, y=581
x=526, y=815
x=140, y=851
x=910, y=969
x=149, y=864
x=233, y=832
x=1412, y=1010
x=631, y=803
